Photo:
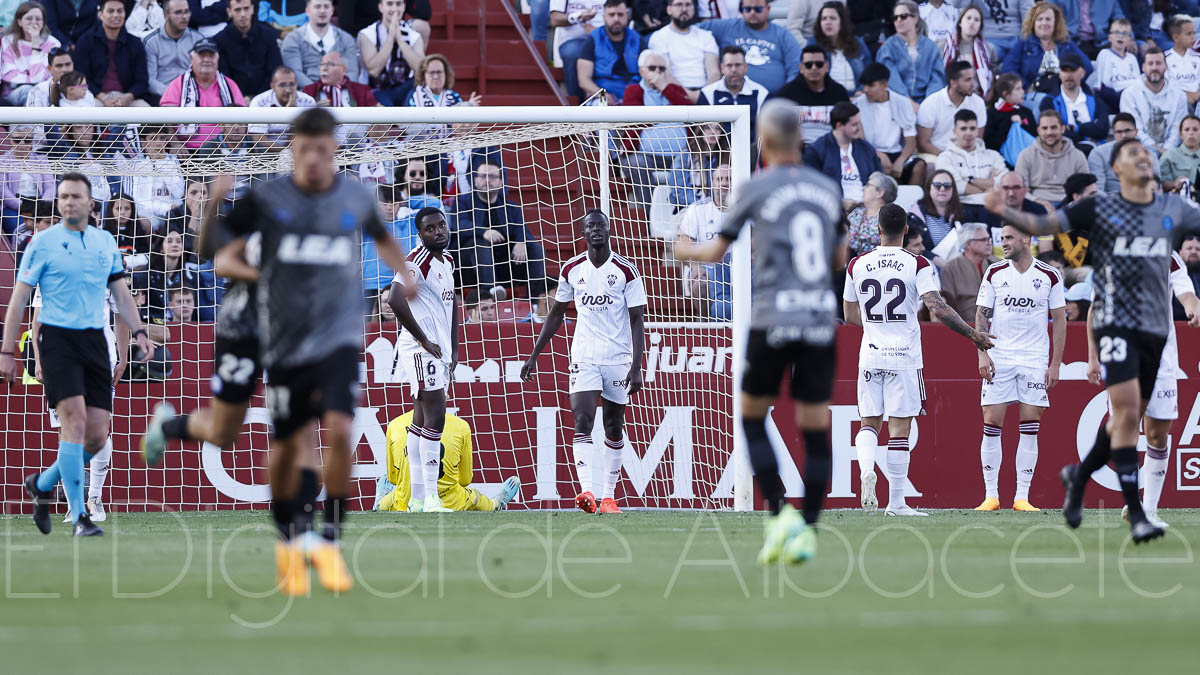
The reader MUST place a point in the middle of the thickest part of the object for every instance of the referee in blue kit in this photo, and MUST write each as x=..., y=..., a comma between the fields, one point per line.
x=74, y=264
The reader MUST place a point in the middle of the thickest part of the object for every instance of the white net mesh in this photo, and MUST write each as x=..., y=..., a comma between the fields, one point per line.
x=151, y=180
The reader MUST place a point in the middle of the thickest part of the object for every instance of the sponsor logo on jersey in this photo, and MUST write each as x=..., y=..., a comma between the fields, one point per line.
x=590, y=300
x=1011, y=301
x=1141, y=247
x=315, y=249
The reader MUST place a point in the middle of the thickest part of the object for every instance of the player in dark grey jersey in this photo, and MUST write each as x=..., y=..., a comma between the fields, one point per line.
x=798, y=241
x=1130, y=237
x=310, y=326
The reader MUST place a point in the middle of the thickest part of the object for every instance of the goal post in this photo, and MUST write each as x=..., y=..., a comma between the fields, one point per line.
x=685, y=445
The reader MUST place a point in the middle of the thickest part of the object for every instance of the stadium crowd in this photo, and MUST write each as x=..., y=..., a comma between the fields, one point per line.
x=926, y=105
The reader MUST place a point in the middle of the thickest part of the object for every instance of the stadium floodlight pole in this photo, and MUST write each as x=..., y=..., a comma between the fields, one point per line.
x=739, y=288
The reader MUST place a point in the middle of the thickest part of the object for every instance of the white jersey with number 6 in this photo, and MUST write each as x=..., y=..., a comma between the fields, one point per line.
x=603, y=297
x=433, y=307
x=888, y=283
x=1020, y=304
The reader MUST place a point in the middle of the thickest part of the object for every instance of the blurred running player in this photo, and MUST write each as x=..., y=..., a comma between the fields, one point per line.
x=1014, y=297
x=606, y=352
x=883, y=287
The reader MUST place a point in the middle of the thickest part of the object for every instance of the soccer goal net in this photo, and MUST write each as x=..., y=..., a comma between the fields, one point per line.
x=514, y=184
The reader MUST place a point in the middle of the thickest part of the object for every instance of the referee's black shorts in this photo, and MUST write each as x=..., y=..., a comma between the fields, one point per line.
x=300, y=394
x=811, y=367
x=1126, y=354
x=75, y=363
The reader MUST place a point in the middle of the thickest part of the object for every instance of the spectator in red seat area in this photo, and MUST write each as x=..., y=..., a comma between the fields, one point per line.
x=657, y=145
x=355, y=15
x=609, y=57
x=249, y=49
x=35, y=183
x=282, y=94
x=202, y=87
x=303, y=49
x=182, y=303
x=335, y=89
x=113, y=61
x=24, y=50
x=392, y=50
x=435, y=79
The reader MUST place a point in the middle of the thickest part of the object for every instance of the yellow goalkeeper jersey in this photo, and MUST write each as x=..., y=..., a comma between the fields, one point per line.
x=456, y=469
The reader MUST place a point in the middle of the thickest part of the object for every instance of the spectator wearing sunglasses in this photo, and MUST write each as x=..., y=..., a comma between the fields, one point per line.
x=815, y=92
x=913, y=59
x=772, y=54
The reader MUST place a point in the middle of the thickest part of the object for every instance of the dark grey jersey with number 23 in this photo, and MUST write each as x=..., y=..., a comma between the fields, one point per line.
x=795, y=213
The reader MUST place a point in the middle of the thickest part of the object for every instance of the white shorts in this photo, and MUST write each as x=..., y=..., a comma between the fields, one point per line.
x=611, y=381
x=421, y=370
x=1014, y=383
x=1164, y=402
x=890, y=393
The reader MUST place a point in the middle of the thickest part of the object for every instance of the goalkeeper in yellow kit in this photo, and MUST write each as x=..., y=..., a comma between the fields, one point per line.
x=454, y=475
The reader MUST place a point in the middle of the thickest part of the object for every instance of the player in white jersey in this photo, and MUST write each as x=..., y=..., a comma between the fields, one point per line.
x=606, y=352
x=1163, y=407
x=427, y=350
x=1014, y=297
x=884, y=290
x=701, y=223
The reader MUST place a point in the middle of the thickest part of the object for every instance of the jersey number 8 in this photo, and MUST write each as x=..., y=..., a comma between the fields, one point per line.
x=808, y=251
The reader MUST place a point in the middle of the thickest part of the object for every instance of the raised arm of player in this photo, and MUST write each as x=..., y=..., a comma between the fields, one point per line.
x=983, y=322
x=939, y=310
x=1026, y=222
x=10, y=367
x=230, y=262
x=554, y=320
x=1058, y=342
x=206, y=245
x=398, y=301
x=637, y=331
x=127, y=312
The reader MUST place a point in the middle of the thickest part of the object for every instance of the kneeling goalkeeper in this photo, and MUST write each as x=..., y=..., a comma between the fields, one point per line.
x=454, y=474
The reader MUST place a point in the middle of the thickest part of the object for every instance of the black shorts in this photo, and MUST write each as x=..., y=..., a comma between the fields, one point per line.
x=1126, y=354
x=235, y=369
x=75, y=363
x=811, y=366
x=297, y=395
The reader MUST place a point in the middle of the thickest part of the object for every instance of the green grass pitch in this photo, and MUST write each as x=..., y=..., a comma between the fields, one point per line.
x=645, y=592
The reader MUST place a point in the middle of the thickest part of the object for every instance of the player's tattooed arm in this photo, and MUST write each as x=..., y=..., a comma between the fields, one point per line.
x=554, y=321
x=637, y=331
x=983, y=318
x=983, y=321
x=939, y=310
x=399, y=304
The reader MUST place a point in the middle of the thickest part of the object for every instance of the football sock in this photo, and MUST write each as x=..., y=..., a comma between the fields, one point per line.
x=991, y=455
x=413, y=447
x=47, y=479
x=1126, y=465
x=70, y=463
x=866, y=442
x=581, y=449
x=897, y=470
x=177, y=427
x=762, y=458
x=1027, y=454
x=98, y=468
x=817, y=466
x=1097, y=456
x=305, y=501
x=335, y=516
x=613, y=454
x=1156, y=475
x=431, y=459
x=283, y=511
